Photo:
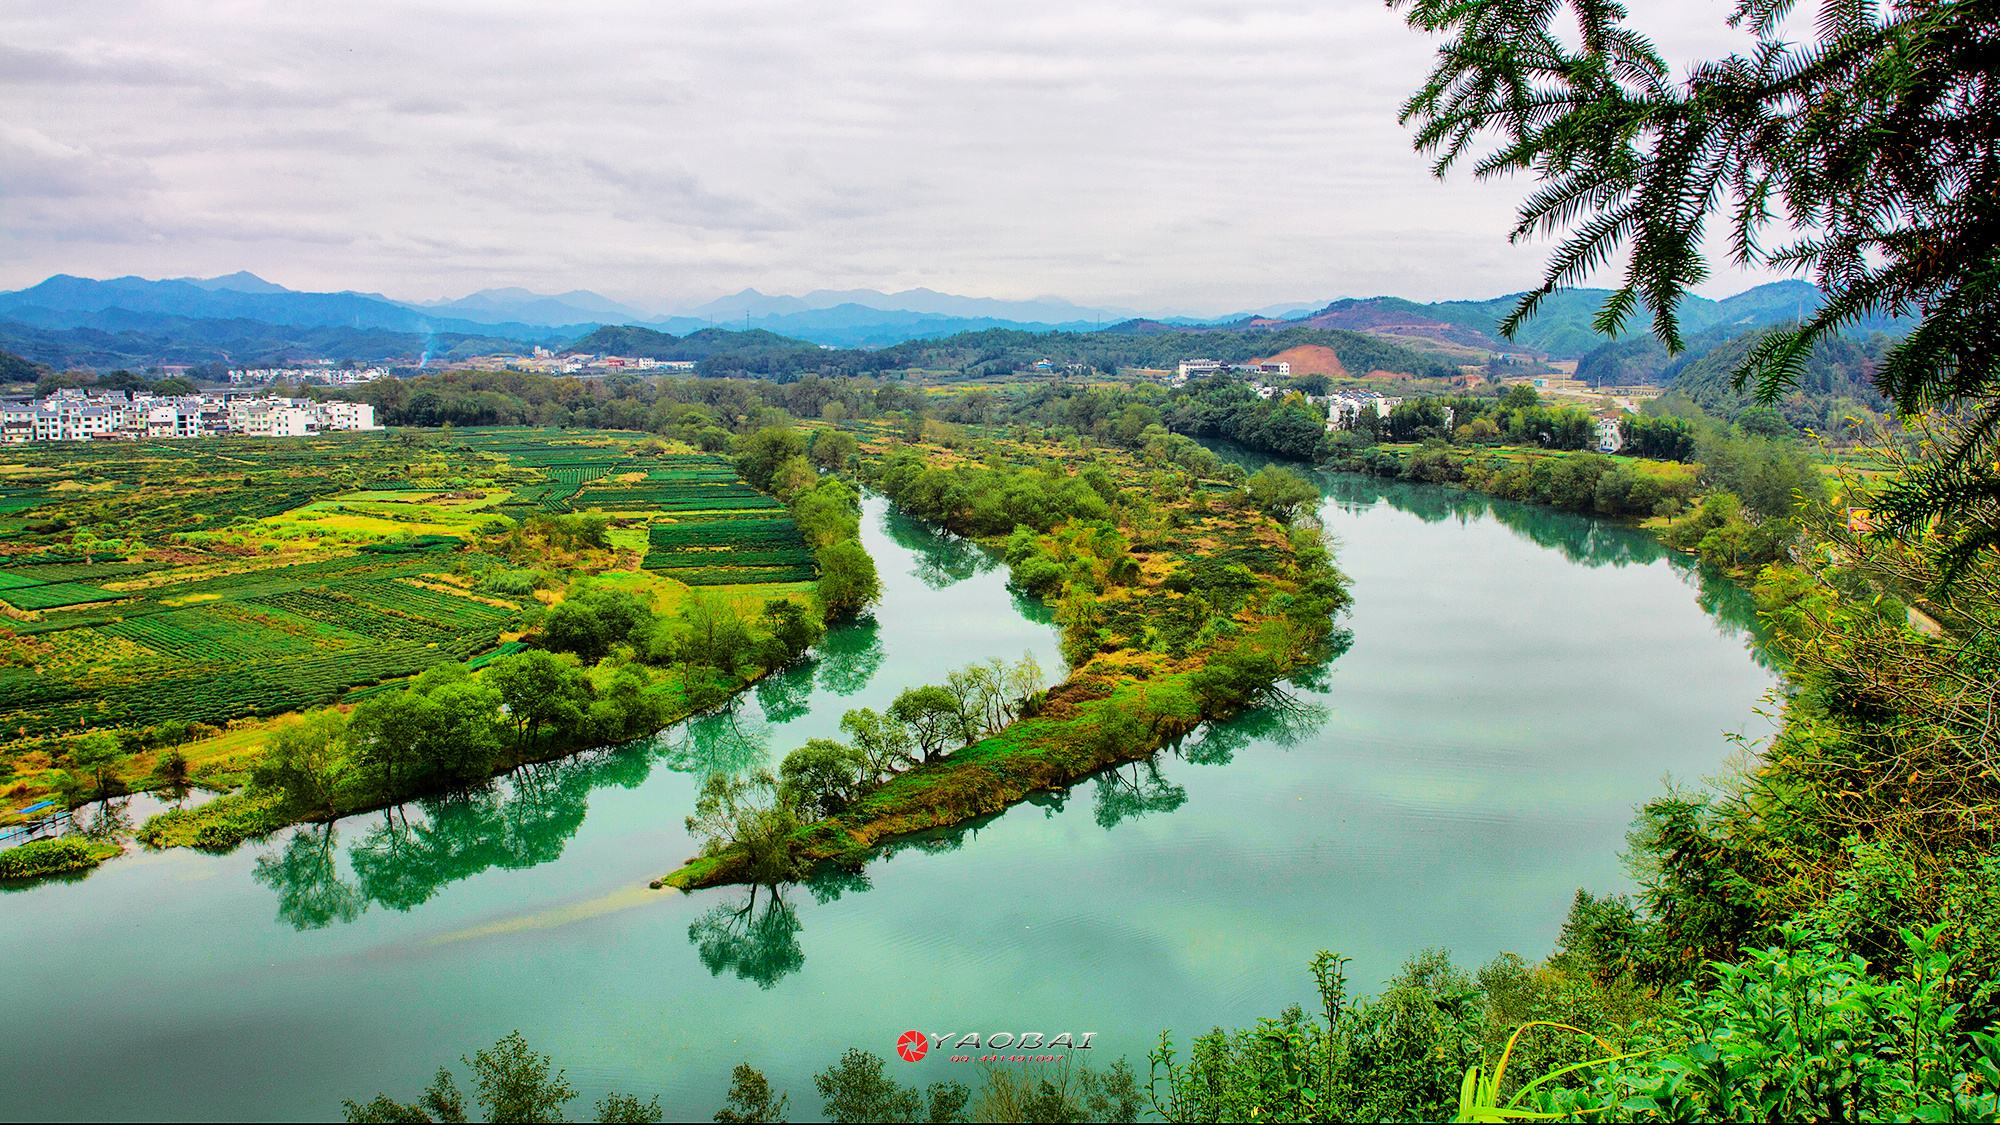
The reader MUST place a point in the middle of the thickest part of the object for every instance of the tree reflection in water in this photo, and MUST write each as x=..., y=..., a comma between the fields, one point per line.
x=306, y=875
x=1282, y=719
x=942, y=559
x=785, y=695
x=755, y=942
x=415, y=851
x=1134, y=789
x=848, y=657
x=724, y=741
x=1030, y=607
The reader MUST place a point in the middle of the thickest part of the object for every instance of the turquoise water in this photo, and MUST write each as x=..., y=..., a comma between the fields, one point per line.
x=1518, y=680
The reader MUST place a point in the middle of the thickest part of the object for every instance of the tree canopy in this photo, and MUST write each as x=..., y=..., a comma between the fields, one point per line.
x=1865, y=158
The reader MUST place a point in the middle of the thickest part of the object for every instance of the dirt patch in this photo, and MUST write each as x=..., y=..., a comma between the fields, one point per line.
x=1310, y=359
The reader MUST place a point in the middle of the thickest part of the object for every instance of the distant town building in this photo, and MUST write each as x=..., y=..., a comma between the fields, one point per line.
x=319, y=374
x=1344, y=408
x=1196, y=368
x=75, y=414
x=1610, y=438
x=546, y=362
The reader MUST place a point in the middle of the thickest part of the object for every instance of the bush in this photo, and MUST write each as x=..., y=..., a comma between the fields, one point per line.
x=37, y=858
x=218, y=825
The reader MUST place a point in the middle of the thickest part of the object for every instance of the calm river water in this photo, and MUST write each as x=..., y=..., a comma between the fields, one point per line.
x=1518, y=680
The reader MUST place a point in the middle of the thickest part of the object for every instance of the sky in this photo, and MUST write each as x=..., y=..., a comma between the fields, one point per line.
x=1165, y=155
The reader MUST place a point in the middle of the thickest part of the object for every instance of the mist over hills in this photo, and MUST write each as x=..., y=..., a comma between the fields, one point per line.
x=242, y=318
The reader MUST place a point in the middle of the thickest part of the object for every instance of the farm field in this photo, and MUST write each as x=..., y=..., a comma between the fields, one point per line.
x=165, y=591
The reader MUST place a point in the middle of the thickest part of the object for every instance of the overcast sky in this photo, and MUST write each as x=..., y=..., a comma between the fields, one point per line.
x=1167, y=155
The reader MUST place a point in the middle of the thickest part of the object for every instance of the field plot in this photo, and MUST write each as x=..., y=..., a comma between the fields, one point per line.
x=198, y=582
x=729, y=548
x=148, y=585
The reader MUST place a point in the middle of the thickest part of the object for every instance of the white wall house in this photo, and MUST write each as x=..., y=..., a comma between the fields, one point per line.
x=345, y=415
x=1610, y=439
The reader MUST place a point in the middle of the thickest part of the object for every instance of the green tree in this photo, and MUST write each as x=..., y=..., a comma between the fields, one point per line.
x=513, y=1083
x=625, y=707
x=516, y=1083
x=847, y=580
x=1874, y=142
x=884, y=742
x=793, y=477
x=827, y=513
x=1282, y=493
x=833, y=450
x=855, y=1089
x=741, y=811
x=592, y=619
x=793, y=628
x=1069, y=1091
x=628, y=1108
x=932, y=716
x=97, y=756
x=707, y=633
x=441, y=1101
x=758, y=455
x=306, y=762
x=823, y=777
x=540, y=690
x=750, y=1098
x=171, y=771
x=445, y=730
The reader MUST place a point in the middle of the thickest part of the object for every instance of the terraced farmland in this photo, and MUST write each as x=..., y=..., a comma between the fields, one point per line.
x=200, y=582
x=729, y=548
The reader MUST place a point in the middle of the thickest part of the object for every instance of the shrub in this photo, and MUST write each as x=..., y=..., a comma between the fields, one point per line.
x=37, y=858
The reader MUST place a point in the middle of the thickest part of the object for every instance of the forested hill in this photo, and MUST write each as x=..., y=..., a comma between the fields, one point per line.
x=1838, y=380
x=998, y=351
x=14, y=369
x=154, y=339
x=632, y=340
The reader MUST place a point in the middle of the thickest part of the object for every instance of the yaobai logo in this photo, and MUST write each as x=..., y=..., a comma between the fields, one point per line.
x=994, y=1046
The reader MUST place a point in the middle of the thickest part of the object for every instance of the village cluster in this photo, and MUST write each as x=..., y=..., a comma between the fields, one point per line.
x=320, y=372
x=75, y=414
x=546, y=362
x=1343, y=407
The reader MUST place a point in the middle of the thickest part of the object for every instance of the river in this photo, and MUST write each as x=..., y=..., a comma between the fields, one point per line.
x=1518, y=680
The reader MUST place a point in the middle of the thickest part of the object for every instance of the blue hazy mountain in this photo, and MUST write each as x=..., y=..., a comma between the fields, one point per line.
x=64, y=301
x=167, y=315
x=929, y=302
x=516, y=305
x=858, y=326
x=242, y=281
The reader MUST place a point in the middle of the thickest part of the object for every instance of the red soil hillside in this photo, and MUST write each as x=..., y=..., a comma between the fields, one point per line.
x=1310, y=359
x=1393, y=319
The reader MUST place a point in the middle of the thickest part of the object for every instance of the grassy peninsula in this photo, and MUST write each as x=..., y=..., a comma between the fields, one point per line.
x=1184, y=591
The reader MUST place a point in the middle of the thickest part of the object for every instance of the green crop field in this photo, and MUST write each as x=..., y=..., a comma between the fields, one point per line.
x=205, y=581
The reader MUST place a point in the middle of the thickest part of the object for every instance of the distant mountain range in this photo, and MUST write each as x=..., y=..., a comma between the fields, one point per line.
x=1561, y=328
x=242, y=318
x=520, y=306
x=63, y=301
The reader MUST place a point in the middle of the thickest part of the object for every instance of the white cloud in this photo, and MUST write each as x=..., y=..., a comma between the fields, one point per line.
x=1169, y=154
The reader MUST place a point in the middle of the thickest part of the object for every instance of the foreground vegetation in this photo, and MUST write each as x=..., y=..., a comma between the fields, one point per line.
x=515, y=1083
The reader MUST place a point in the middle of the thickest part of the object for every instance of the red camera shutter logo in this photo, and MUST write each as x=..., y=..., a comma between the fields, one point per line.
x=912, y=1046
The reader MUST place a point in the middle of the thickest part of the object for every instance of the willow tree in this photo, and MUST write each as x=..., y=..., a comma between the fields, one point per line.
x=1863, y=158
